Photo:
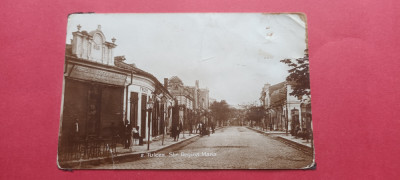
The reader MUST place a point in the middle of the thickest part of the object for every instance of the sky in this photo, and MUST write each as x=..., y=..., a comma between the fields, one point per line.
x=231, y=54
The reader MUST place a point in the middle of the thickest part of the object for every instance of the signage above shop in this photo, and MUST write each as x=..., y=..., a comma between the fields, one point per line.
x=97, y=75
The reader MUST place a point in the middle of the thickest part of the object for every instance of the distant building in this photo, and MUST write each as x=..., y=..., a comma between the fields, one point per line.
x=185, y=98
x=194, y=101
x=183, y=94
x=204, y=102
x=282, y=110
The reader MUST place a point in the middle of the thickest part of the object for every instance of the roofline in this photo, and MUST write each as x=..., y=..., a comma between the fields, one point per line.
x=145, y=74
x=125, y=70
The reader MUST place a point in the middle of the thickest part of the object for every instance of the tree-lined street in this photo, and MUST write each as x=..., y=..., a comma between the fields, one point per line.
x=229, y=148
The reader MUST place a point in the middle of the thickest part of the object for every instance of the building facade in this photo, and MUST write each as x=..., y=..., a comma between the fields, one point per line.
x=185, y=97
x=93, y=88
x=102, y=93
x=192, y=100
x=282, y=110
x=141, y=89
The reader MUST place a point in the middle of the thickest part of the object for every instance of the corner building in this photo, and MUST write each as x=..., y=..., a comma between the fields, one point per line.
x=102, y=93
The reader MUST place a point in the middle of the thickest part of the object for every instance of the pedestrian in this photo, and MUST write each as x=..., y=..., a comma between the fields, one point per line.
x=131, y=137
x=128, y=135
x=297, y=131
x=135, y=134
x=175, y=132
x=204, y=129
x=178, y=131
x=200, y=128
x=172, y=132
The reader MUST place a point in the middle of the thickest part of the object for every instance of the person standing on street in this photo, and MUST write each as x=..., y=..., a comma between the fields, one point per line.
x=135, y=134
x=178, y=131
x=128, y=135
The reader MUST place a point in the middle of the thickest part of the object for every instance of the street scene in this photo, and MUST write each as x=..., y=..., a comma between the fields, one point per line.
x=206, y=92
x=234, y=147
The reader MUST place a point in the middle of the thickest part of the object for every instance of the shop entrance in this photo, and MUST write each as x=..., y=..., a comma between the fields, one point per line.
x=94, y=107
x=134, y=109
x=91, y=109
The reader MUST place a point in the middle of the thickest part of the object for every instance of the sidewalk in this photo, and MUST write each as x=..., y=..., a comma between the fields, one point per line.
x=281, y=135
x=155, y=144
x=133, y=153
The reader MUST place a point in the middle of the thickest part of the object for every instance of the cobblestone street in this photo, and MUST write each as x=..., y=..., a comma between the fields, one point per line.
x=231, y=147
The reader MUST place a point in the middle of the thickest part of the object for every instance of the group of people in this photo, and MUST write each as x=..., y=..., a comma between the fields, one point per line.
x=130, y=135
x=203, y=130
x=303, y=133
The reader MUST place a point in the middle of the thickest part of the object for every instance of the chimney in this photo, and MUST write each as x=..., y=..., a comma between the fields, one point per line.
x=197, y=84
x=166, y=83
x=119, y=58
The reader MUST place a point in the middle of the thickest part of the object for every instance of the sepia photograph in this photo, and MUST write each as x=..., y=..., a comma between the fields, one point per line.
x=186, y=91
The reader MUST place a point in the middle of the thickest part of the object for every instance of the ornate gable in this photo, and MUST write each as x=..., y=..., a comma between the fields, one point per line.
x=93, y=46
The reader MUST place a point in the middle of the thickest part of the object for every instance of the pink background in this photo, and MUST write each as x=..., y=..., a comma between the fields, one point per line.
x=354, y=50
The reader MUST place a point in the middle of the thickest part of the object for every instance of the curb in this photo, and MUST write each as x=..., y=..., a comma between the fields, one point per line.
x=119, y=158
x=296, y=145
x=136, y=156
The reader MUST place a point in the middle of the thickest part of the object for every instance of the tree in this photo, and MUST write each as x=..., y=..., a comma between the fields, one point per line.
x=299, y=74
x=255, y=113
x=220, y=111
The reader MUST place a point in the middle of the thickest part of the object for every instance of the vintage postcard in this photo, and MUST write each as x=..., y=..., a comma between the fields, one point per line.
x=186, y=91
